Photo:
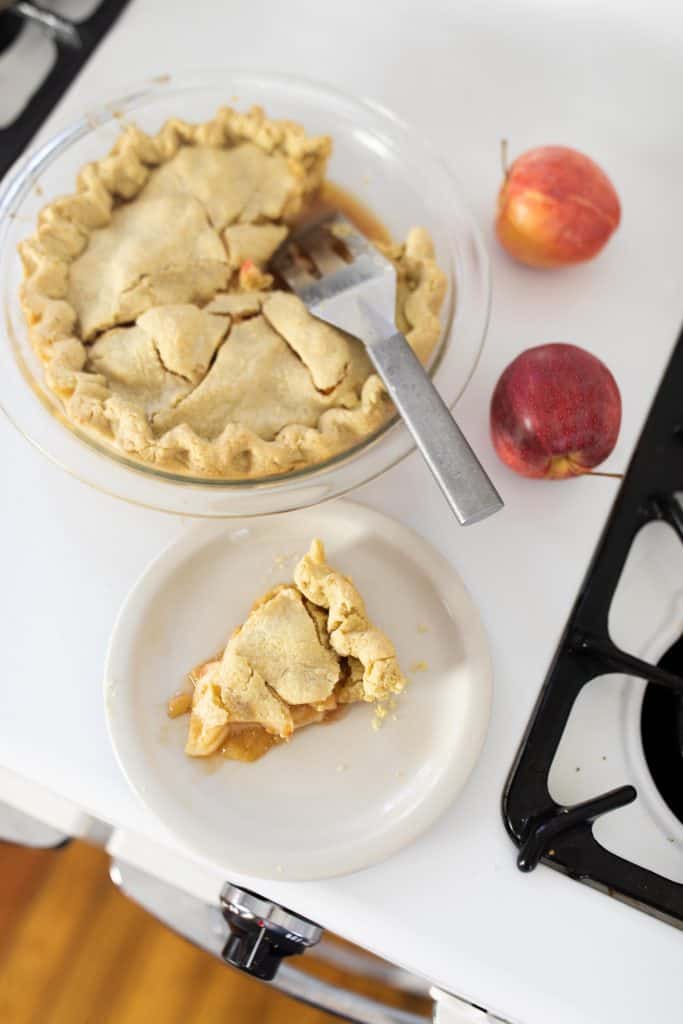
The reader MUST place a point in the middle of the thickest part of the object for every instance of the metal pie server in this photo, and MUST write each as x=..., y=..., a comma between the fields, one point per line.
x=345, y=281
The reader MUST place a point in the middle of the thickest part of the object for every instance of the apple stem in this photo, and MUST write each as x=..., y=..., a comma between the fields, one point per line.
x=597, y=472
x=504, y=157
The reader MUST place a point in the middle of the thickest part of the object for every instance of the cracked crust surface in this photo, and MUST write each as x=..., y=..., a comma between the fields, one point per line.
x=350, y=631
x=148, y=298
x=304, y=651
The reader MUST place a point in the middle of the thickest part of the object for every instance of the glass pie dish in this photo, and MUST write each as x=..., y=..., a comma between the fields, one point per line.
x=376, y=157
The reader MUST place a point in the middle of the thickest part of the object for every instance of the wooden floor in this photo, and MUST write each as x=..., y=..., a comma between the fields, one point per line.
x=73, y=950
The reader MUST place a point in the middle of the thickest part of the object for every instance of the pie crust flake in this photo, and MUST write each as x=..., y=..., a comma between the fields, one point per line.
x=305, y=650
x=149, y=301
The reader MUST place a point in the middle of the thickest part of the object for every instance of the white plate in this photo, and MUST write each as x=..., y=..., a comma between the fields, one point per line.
x=338, y=797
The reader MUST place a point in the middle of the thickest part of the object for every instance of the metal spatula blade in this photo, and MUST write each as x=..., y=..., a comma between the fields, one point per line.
x=345, y=281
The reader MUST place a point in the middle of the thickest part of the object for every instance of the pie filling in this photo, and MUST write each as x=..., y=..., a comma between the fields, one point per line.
x=150, y=303
x=306, y=650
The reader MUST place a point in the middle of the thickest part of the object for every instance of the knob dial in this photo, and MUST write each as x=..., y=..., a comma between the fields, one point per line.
x=263, y=933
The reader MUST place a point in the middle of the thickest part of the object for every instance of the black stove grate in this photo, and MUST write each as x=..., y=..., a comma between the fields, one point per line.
x=661, y=727
x=562, y=837
x=70, y=57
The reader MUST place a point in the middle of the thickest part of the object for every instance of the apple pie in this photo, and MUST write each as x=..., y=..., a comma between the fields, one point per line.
x=305, y=651
x=150, y=303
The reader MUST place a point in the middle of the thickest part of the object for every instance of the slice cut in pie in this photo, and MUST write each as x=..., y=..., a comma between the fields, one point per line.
x=148, y=299
x=306, y=649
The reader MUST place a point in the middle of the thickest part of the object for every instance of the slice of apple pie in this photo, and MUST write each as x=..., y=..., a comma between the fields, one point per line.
x=306, y=649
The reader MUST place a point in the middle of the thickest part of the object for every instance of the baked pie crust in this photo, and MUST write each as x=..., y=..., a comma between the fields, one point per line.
x=149, y=301
x=305, y=650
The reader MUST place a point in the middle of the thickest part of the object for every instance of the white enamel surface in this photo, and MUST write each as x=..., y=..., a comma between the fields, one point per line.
x=336, y=798
x=604, y=77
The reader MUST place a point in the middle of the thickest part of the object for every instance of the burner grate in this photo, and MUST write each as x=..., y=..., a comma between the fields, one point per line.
x=562, y=837
x=662, y=734
x=73, y=49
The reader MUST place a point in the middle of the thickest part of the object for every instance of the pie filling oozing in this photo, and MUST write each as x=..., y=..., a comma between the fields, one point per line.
x=149, y=301
x=305, y=651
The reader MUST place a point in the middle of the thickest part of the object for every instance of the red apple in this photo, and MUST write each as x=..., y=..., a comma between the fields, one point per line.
x=556, y=206
x=555, y=412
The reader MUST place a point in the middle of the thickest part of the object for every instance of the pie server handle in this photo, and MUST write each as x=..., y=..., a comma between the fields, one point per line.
x=457, y=470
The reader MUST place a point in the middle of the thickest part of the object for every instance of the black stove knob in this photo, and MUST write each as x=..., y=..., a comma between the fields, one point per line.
x=263, y=933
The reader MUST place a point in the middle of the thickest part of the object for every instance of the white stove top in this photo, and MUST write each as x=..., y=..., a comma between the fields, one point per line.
x=452, y=905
